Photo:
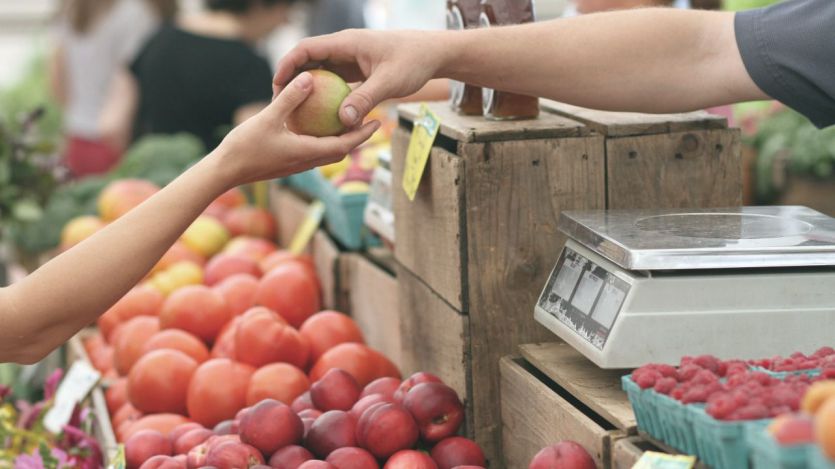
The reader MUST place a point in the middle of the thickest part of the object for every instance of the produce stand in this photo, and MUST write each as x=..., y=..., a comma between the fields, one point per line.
x=479, y=239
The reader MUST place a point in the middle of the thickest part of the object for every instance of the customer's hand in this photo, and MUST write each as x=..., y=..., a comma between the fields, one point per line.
x=263, y=148
x=390, y=64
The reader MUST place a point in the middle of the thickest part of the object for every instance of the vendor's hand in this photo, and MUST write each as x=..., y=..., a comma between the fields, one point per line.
x=263, y=148
x=390, y=64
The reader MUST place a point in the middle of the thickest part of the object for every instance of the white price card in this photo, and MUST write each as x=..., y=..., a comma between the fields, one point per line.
x=608, y=305
x=75, y=386
x=587, y=291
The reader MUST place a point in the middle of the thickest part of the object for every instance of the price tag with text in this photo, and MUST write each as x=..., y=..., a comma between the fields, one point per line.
x=308, y=227
x=424, y=132
x=76, y=385
x=655, y=460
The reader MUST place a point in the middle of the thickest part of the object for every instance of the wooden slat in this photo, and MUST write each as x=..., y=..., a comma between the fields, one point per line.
x=429, y=228
x=515, y=192
x=435, y=336
x=289, y=209
x=676, y=170
x=621, y=124
x=326, y=258
x=595, y=387
x=374, y=306
x=479, y=129
x=626, y=452
x=534, y=416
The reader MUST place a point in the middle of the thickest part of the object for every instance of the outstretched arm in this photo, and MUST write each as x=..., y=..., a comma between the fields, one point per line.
x=45, y=309
x=647, y=60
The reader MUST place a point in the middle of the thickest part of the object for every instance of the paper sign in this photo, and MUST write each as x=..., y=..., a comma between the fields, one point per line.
x=76, y=385
x=118, y=461
x=423, y=136
x=654, y=460
x=309, y=225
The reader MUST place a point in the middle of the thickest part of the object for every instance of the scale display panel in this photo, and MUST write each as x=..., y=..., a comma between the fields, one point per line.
x=584, y=296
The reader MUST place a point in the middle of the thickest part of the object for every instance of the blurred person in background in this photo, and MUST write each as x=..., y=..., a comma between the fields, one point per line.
x=93, y=39
x=200, y=74
x=330, y=16
x=594, y=6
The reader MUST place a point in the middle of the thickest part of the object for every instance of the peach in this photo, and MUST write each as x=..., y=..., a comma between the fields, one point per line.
x=457, y=451
x=239, y=292
x=178, y=252
x=280, y=381
x=176, y=339
x=158, y=382
x=310, y=414
x=230, y=199
x=78, y=229
x=302, y=402
x=352, y=458
x=327, y=329
x=205, y=236
x=270, y=426
x=233, y=455
x=562, y=454
x=317, y=464
x=410, y=459
x=163, y=462
x=825, y=427
x=332, y=430
x=318, y=115
x=182, y=429
x=251, y=247
x=226, y=427
x=263, y=337
x=337, y=390
x=250, y=221
x=143, y=445
x=116, y=395
x=196, y=309
x=129, y=341
x=412, y=381
x=276, y=258
x=223, y=266
x=791, y=429
x=185, y=443
x=290, y=457
x=120, y=196
x=385, y=429
x=437, y=410
x=386, y=386
x=291, y=291
x=366, y=402
x=196, y=457
x=816, y=395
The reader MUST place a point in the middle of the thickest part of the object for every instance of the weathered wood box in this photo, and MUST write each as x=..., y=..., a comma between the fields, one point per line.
x=476, y=245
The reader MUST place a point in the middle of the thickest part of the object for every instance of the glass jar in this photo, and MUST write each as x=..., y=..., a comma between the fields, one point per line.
x=464, y=14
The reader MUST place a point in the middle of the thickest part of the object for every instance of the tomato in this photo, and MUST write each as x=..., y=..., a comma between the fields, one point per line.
x=281, y=256
x=217, y=391
x=178, y=252
x=176, y=339
x=223, y=266
x=327, y=329
x=126, y=414
x=163, y=423
x=196, y=309
x=250, y=221
x=280, y=381
x=239, y=292
x=291, y=291
x=251, y=247
x=130, y=339
x=158, y=382
x=116, y=394
x=263, y=337
x=107, y=323
x=143, y=300
x=224, y=346
x=362, y=362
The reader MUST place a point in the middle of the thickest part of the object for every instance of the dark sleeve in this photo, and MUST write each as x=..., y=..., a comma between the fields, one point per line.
x=789, y=51
x=253, y=84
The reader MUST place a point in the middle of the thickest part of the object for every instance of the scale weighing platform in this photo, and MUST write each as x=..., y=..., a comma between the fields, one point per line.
x=640, y=286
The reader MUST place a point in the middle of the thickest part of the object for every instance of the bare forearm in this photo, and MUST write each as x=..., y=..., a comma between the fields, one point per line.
x=650, y=60
x=54, y=302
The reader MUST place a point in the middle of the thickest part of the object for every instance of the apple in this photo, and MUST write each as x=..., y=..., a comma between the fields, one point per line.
x=270, y=425
x=333, y=430
x=385, y=386
x=302, y=402
x=232, y=455
x=145, y=444
x=318, y=115
x=562, y=454
x=290, y=457
x=336, y=390
x=186, y=442
x=162, y=462
x=366, y=402
x=457, y=451
x=352, y=458
x=437, y=410
x=412, y=381
x=385, y=429
x=410, y=459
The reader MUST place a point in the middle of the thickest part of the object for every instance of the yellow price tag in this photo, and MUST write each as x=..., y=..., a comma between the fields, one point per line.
x=309, y=225
x=118, y=461
x=423, y=136
x=655, y=460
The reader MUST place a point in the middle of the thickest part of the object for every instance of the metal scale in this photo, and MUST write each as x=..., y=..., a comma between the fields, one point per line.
x=638, y=286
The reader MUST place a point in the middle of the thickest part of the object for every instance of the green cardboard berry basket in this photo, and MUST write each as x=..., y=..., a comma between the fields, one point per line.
x=722, y=444
x=766, y=453
x=818, y=460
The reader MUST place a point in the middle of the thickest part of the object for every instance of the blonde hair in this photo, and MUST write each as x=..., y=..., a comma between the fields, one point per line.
x=82, y=14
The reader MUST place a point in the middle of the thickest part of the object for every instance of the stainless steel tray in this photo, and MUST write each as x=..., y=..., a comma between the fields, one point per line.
x=741, y=237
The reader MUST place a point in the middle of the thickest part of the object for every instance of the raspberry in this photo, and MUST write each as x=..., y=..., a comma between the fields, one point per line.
x=708, y=362
x=738, y=379
x=666, y=371
x=752, y=412
x=704, y=377
x=827, y=373
x=824, y=352
x=665, y=385
x=685, y=360
x=678, y=392
x=645, y=379
x=697, y=393
x=720, y=406
x=762, y=378
x=779, y=410
x=688, y=371
x=798, y=355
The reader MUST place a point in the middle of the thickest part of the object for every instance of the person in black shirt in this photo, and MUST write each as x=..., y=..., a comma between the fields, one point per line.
x=200, y=74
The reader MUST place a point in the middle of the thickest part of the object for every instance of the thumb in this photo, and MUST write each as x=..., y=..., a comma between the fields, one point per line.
x=291, y=96
x=363, y=99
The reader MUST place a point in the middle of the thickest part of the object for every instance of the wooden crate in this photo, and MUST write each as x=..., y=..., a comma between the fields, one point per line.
x=372, y=302
x=482, y=236
x=289, y=208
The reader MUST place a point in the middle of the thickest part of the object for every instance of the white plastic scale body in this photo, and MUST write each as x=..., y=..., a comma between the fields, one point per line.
x=635, y=287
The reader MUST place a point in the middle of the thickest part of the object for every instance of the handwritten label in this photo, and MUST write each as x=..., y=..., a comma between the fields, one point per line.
x=309, y=225
x=76, y=385
x=424, y=132
x=655, y=460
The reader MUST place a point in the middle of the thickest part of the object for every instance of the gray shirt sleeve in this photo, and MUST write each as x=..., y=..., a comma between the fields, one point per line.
x=789, y=51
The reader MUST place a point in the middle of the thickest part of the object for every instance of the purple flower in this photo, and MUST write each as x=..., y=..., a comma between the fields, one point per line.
x=51, y=384
x=4, y=391
x=28, y=461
